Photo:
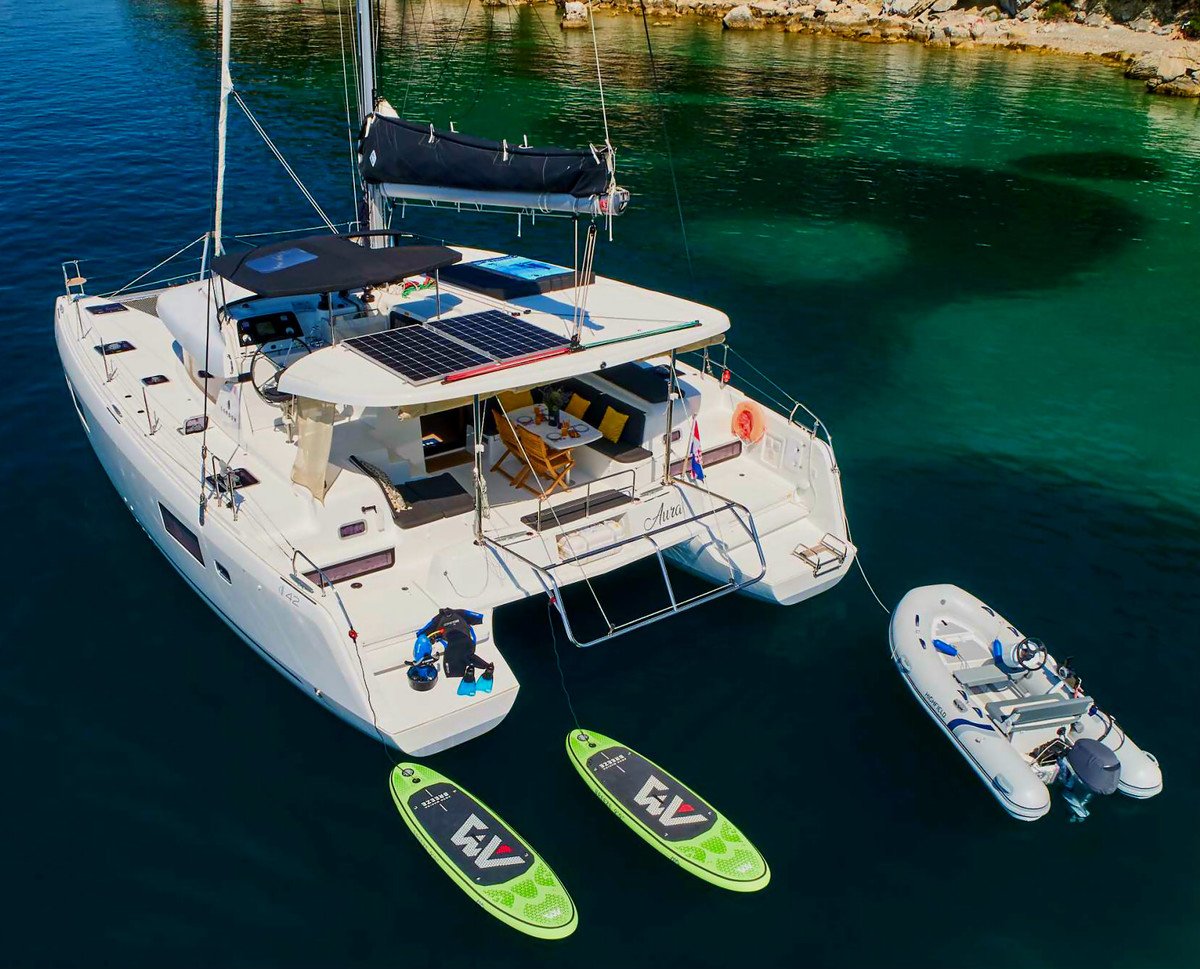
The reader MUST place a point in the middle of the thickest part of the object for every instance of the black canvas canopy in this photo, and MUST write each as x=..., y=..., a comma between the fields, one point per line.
x=401, y=152
x=327, y=264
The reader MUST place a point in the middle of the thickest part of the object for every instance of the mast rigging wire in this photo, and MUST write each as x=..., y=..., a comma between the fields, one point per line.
x=600, y=79
x=179, y=252
x=449, y=55
x=662, y=113
x=283, y=161
x=346, y=102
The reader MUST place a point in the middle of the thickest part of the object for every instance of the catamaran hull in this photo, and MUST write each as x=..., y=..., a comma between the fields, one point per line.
x=284, y=627
x=781, y=585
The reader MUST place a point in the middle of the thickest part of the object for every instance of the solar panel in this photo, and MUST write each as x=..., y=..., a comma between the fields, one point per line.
x=499, y=334
x=416, y=353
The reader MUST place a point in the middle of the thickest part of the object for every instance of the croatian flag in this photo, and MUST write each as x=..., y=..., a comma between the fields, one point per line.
x=695, y=455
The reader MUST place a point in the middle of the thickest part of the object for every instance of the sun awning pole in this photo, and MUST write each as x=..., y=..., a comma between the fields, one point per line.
x=477, y=422
x=671, y=390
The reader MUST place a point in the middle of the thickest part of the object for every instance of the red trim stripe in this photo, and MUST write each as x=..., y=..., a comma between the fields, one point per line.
x=486, y=368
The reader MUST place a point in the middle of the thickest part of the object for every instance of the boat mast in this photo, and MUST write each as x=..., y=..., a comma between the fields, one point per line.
x=222, y=124
x=372, y=195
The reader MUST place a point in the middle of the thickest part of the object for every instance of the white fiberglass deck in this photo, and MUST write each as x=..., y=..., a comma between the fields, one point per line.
x=252, y=567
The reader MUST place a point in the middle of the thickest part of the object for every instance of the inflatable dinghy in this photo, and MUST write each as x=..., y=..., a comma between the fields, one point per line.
x=1020, y=718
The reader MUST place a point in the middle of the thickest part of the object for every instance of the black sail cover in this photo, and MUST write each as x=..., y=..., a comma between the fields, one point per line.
x=404, y=153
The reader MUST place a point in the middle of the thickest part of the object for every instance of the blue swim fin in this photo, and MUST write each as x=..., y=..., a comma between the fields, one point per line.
x=467, y=686
x=485, y=681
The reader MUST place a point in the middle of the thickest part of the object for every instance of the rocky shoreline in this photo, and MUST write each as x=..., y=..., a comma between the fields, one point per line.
x=1128, y=36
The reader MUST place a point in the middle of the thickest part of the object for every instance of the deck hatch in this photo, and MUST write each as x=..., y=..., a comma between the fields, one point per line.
x=241, y=479
x=117, y=346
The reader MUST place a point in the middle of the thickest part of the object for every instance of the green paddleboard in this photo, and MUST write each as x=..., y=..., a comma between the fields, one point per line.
x=667, y=815
x=483, y=855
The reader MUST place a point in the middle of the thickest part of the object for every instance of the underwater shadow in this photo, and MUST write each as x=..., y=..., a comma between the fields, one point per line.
x=1114, y=166
x=946, y=234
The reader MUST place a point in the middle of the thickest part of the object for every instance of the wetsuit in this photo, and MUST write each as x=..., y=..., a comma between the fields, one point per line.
x=454, y=628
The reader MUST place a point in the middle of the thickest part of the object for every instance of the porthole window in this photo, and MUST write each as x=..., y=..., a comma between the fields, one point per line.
x=224, y=573
x=350, y=529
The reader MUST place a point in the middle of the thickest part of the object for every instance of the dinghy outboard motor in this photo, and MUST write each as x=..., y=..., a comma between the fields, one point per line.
x=1087, y=769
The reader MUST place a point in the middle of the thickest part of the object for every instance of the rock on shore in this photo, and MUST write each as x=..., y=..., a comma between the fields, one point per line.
x=741, y=18
x=1167, y=74
x=575, y=15
x=1122, y=32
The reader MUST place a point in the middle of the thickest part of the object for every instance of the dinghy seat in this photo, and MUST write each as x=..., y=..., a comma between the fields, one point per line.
x=989, y=674
x=1028, y=712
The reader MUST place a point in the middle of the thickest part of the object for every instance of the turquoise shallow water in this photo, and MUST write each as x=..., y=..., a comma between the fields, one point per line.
x=979, y=269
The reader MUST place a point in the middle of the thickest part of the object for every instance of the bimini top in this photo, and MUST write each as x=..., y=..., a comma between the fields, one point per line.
x=327, y=264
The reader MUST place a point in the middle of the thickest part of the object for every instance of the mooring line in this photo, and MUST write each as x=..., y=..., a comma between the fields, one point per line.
x=562, y=678
x=870, y=588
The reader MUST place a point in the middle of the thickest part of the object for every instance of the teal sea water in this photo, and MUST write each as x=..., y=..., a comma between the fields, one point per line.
x=980, y=269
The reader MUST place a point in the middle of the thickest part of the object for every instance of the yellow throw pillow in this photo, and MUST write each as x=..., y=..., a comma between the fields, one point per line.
x=512, y=400
x=613, y=424
x=578, y=406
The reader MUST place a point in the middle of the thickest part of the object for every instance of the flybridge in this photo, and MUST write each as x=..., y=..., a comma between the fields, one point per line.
x=486, y=345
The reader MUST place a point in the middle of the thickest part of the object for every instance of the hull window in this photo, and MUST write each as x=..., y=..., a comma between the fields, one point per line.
x=725, y=452
x=224, y=573
x=353, y=568
x=182, y=534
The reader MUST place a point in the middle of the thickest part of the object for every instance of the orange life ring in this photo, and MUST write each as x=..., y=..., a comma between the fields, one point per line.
x=749, y=421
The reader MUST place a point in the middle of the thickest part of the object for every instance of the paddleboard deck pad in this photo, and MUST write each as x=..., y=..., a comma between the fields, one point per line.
x=666, y=814
x=482, y=854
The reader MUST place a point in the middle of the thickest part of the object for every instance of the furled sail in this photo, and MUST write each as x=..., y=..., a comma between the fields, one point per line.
x=415, y=161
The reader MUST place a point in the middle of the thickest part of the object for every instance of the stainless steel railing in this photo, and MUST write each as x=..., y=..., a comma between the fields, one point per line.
x=546, y=572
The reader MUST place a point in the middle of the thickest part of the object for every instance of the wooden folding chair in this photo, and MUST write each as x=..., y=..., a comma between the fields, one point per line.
x=508, y=437
x=546, y=463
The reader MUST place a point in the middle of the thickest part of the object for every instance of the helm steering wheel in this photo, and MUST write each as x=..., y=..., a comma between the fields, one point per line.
x=268, y=388
x=1030, y=654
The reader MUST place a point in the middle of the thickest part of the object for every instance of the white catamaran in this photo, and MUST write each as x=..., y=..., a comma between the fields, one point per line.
x=341, y=441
